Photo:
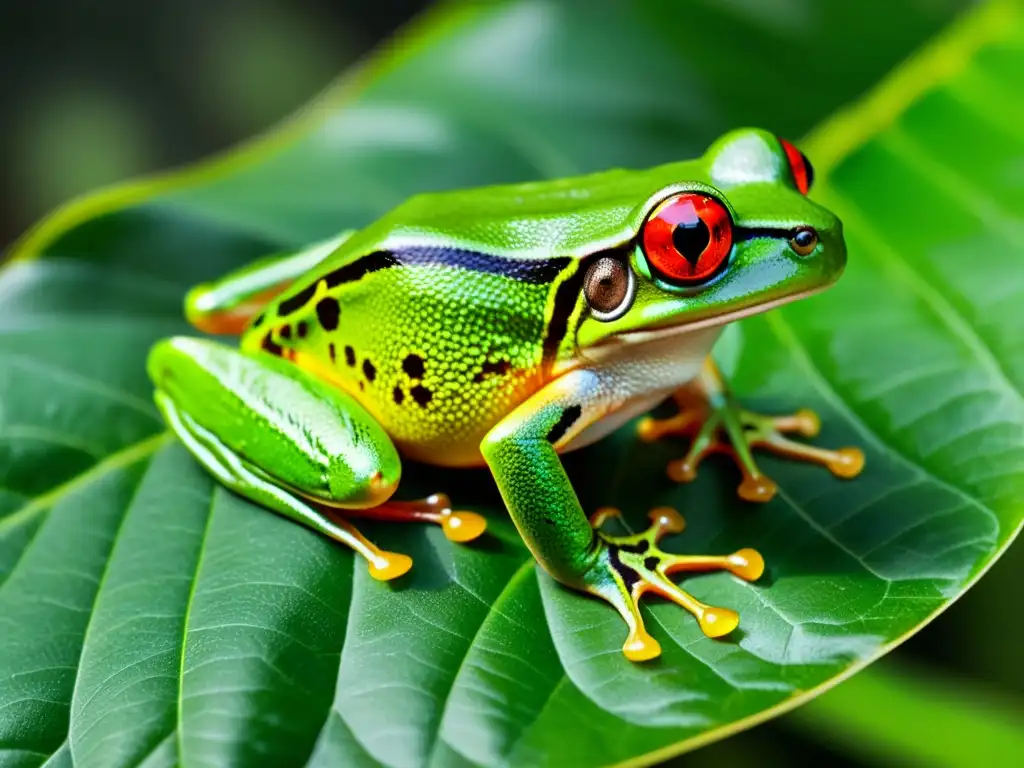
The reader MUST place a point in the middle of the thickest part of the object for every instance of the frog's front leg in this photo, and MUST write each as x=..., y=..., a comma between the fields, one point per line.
x=709, y=414
x=522, y=452
x=291, y=443
x=228, y=304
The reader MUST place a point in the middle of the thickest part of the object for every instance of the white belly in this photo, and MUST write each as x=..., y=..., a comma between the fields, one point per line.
x=643, y=375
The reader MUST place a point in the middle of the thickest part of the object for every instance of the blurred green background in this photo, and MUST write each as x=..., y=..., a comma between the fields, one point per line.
x=96, y=92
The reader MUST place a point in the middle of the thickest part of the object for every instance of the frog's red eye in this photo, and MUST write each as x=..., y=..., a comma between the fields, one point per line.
x=803, y=171
x=687, y=238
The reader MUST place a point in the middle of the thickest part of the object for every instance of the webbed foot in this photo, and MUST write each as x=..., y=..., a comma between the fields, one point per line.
x=630, y=566
x=724, y=427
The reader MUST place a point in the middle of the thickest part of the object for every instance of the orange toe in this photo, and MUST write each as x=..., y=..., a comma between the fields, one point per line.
x=390, y=565
x=463, y=526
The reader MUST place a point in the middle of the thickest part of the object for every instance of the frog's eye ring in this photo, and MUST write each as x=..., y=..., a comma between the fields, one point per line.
x=609, y=287
x=687, y=238
x=804, y=240
x=803, y=171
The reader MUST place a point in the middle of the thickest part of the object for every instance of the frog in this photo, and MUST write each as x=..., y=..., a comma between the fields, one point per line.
x=501, y=327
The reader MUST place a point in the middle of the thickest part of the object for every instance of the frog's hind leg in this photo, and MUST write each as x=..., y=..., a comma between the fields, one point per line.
x=279, y=437
x=227, y=305
x=248, y=481
x=717, y=424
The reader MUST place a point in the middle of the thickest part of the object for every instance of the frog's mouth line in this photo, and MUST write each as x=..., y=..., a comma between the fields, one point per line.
x=643, y=336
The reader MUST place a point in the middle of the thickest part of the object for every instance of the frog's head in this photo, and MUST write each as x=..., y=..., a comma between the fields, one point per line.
x=735, y=237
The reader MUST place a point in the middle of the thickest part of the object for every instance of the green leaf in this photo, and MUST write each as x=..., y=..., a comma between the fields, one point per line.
x=149, y=617
x=882, y=713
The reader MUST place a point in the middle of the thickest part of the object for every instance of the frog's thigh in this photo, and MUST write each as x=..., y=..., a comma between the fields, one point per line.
x=522, y=453
x=226, y=305
x=279, y=437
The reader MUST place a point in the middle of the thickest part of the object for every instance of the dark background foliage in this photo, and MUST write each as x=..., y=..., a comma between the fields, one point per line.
x=95, y=92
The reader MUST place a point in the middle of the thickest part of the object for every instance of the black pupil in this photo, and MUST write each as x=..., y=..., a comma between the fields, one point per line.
x=804, y=238
x=690, y=239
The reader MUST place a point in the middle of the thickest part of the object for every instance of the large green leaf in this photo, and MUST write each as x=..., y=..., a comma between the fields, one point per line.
x=148, y=617
x=882, y=713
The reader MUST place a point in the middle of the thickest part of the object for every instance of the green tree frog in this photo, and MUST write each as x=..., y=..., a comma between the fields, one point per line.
x=504, y=326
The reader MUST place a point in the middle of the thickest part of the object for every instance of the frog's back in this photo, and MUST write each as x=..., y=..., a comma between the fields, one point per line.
x=445, y=314
x=532, y=220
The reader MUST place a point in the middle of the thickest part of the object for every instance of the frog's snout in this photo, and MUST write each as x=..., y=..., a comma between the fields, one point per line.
x=834, y=255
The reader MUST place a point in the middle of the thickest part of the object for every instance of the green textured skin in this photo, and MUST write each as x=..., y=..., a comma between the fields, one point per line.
x=533, y=482
x=461, y=365
x=455, y=322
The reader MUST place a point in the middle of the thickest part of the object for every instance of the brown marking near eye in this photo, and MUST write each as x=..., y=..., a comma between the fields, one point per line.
x=350, y=357
x=332, y=352
x=285, y=331
x=566, y=294
x=302, y=328
x=369, y=371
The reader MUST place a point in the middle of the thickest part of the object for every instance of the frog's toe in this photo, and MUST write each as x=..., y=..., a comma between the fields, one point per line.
x=640, y=646
x=386, y=566
x=383, y=565
x=462, y=526
x=458, y=526
x=805, y=422
x=756, y=488
x=650, y=429
x=844, y=462
x=630, y=566
x=847, y=463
